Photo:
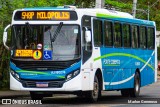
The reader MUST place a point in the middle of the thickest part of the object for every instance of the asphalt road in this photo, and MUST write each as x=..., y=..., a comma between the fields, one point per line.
x=149, y=94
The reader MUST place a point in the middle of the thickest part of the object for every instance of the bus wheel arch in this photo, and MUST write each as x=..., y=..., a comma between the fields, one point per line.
x=100, y=79
x=133, y=92
x=138, y=70
x=94, y=94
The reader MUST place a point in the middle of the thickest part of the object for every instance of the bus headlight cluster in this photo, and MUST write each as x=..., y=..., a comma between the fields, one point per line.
x=15, y=75
x=72, y=75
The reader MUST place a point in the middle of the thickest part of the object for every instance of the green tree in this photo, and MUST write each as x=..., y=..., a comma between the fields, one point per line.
x=142, y=8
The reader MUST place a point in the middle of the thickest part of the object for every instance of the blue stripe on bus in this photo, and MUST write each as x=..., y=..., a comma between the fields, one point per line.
x=44, y=75
x=133, y=21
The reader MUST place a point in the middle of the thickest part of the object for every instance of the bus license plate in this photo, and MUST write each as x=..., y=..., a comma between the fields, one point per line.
x=41, y=84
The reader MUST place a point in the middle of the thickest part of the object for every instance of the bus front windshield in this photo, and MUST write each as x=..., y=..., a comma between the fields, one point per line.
x=63, y=41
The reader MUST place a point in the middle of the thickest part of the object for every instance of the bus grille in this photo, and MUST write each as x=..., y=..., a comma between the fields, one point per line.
x=51, y=84
x=43, y=65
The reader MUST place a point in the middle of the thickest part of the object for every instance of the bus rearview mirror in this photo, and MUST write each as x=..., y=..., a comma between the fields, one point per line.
x=88, y=36
x=4, y=37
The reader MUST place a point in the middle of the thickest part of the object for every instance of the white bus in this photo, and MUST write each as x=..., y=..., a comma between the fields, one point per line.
x=80, y=51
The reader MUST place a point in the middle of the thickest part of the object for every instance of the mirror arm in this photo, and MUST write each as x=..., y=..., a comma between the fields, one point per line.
x=85, y=28
x=7, y=27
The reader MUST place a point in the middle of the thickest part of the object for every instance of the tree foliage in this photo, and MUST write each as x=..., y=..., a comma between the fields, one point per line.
x=145, y=8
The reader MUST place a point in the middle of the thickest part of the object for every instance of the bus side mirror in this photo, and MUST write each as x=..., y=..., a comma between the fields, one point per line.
x=88, y=36
x=5, y=37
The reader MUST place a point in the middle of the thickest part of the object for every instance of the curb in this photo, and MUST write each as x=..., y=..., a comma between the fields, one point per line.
x=13, y=96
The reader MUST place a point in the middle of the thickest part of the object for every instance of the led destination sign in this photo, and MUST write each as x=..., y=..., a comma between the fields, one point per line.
x=45, y=15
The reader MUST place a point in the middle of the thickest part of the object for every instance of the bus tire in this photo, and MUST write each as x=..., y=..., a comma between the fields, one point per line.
x=134, y=92
x=94, y=94
x=125, y=92
x=35, y=96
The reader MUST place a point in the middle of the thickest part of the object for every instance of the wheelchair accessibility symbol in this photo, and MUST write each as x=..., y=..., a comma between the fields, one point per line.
x=47, y=55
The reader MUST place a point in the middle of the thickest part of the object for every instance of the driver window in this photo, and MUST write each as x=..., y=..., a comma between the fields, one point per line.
x=87, y=47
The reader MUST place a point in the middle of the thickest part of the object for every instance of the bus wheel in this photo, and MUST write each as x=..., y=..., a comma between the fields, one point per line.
x=94, y=94
x=125, y=92
x=134, y=92
x=35, y=96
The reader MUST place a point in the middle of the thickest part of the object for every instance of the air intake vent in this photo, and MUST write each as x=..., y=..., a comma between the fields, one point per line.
x=51, y=84
x=43, y=65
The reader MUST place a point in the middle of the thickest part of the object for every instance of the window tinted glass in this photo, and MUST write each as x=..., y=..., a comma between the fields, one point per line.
x=135, y=36
x=142, y=37
x=117, y=34
x=108, y=33
x=97, y=30
x=151, y=37
x=126, y=35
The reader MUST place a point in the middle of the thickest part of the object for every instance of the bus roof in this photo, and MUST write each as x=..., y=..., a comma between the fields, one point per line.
x=91, y=11
x=47, y=8
x=96, y=12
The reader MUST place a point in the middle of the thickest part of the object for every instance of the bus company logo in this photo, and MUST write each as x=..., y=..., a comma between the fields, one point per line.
x=37, y=55
x=6, y=101
x=111, y=62
x=13, y=101
x=58, y=72
x=42, y=68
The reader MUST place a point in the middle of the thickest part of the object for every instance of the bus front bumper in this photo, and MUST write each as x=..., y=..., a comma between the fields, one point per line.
x=71, y=85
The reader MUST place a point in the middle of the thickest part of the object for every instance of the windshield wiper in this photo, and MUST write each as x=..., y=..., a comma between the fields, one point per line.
x=31, y=32
x=53, y=38
x=29, y=37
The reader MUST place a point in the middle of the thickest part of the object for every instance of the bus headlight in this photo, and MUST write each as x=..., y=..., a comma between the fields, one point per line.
x=69, y=76
x=72, y=75
x=15, y=75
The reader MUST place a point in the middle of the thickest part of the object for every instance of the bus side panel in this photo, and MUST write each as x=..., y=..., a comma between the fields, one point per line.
x=148, y=73
x=124, y=76
x=119, y=67
x=116, y=69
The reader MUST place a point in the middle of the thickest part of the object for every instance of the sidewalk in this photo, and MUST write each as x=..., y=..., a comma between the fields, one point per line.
x=13, y=94
x=158, y=74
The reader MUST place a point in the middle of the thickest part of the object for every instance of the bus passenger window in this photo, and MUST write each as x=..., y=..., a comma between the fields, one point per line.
x=134, y=36
x=108, y=33
x=126, y=35
x=97, y=30
x=142, y=37
x=117, y=34
x=150, y=42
